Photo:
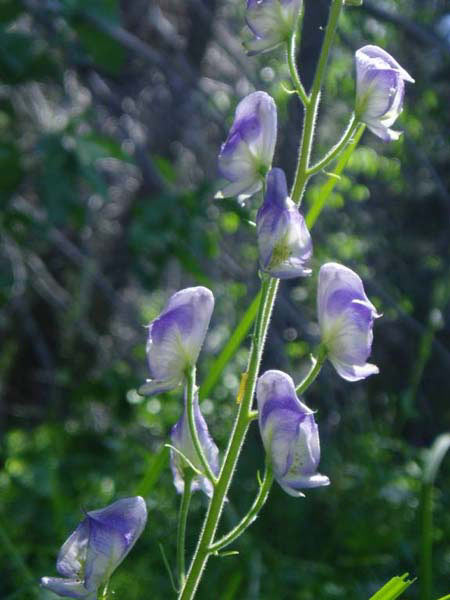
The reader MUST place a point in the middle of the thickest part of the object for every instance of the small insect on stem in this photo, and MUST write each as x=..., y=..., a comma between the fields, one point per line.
x=242, y=385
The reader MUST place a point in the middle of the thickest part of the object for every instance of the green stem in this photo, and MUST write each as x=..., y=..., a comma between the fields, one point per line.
x=426, y=555
x=313, y=372
x=301, y=175
x=190, y=390
x=291, y=59
x=182, y=521
x=240, y=428
x=336, y=149
x=250, y=517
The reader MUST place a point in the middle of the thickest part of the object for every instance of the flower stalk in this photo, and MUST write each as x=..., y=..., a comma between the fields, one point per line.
x=301, y=174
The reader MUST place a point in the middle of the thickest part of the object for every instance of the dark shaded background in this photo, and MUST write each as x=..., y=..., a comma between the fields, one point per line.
x=111, y=116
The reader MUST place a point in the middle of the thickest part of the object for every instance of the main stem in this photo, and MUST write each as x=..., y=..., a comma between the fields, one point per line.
x=243, y=420
x=301, y=175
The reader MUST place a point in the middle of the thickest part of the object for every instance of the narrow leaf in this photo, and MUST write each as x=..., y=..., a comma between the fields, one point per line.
x=435, y=456
x=393, y=588
x=230, y=348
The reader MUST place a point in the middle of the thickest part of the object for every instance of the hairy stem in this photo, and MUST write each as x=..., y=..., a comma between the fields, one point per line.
x=250, y=517
x=190, y=390
x=291, y=59
x=301, y=175
x=336, y=149
x=313, y=372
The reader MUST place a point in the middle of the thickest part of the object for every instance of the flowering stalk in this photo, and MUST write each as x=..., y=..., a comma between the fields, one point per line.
x=269, y=290
x=317, y=362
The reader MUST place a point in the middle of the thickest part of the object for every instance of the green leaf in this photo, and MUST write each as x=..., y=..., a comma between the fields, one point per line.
x=393, y=588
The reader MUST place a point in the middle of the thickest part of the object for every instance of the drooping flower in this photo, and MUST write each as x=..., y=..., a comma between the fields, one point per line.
x=181, y=439
x=346, y=318
x=272, y=22
x=290, y=434
x=96, y=548
x=380, y=87
x=284, y=241
x=246, y=156
x=176, y=337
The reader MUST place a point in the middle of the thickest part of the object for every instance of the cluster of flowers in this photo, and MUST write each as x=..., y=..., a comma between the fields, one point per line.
x=345, y=314
x=287, y=426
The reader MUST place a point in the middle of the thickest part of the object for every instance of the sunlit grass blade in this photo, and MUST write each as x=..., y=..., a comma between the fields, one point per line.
x=393, y=588
x=433, y=461
x=325, y=191
x=230, y=348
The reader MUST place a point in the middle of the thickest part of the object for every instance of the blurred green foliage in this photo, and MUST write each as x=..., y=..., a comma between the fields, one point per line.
x=111, y=116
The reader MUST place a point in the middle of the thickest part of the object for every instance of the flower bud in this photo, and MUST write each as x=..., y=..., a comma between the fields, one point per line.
x=272, y=22
x=346, y=320
x=96, y=548
x=176, y=337
x=181, y=439
x=246, y=155
x=284, y=242
x=290, y=434
x=380, y=89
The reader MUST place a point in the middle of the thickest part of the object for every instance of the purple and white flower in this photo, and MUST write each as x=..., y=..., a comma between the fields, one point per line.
x=284, y=241
x=272, y=23
x=175, y=338
x=290, y=434
x=246, y=156
x=95, y=549
x=346, y=318
x=181, y=439
x=380, y=87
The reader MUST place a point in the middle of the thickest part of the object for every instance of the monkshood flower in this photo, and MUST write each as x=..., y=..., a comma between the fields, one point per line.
x=346, y=319
x=271, y=22
x=284, y=242
x=380, y=87
x=96, y=548
x=246, y=156
x=181, y=439
x=290, y=434
x=176, y=337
